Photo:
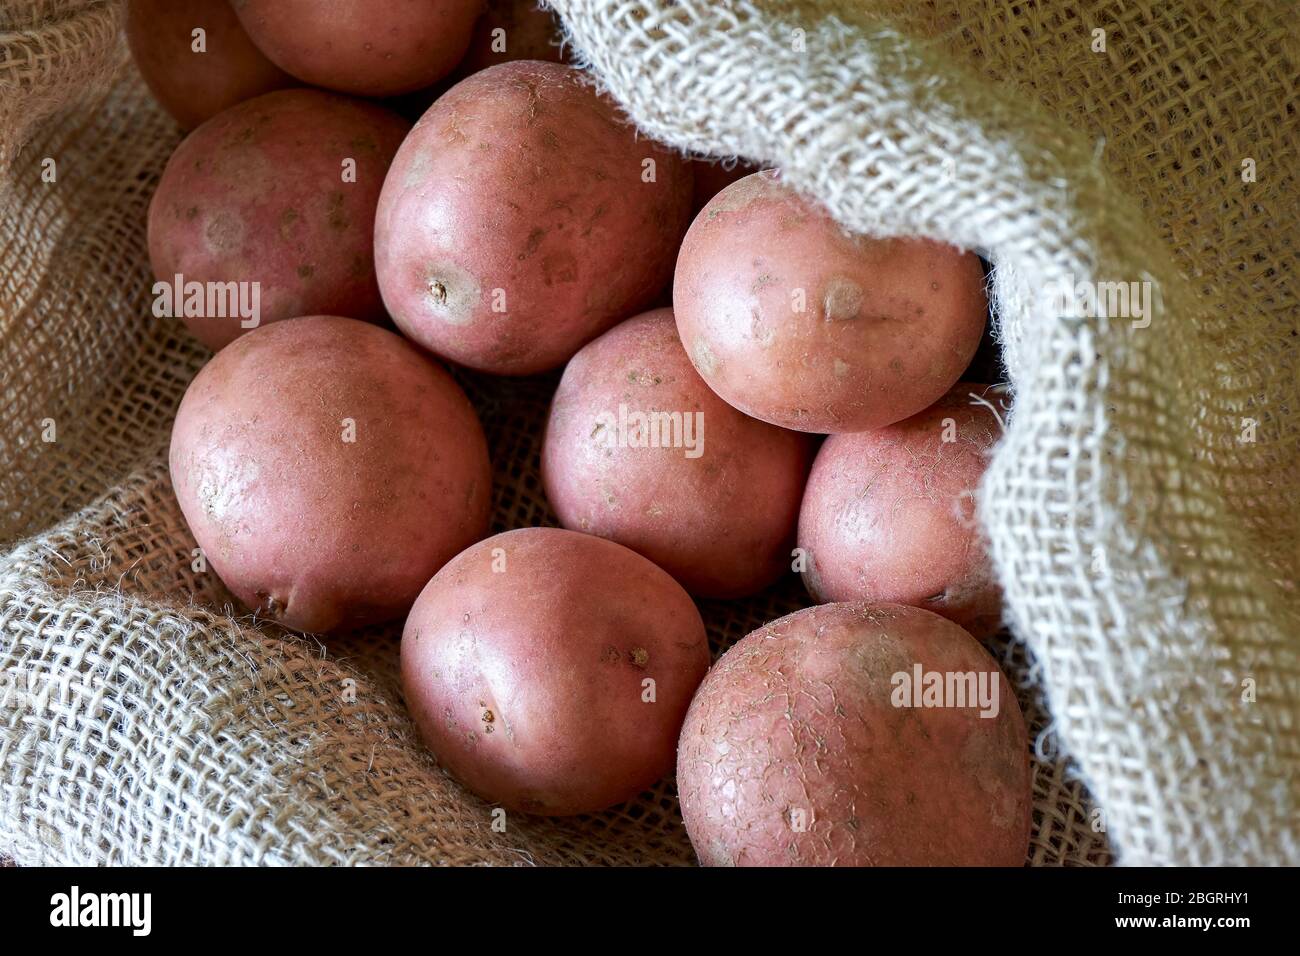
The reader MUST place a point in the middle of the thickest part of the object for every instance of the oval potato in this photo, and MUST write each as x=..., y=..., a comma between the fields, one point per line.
x=639, y=450
x=549, y=671
x=889, y=515
x=794, y=321
x=279, y=191
x=327, y=468
x=521, y=218
x=811, y=743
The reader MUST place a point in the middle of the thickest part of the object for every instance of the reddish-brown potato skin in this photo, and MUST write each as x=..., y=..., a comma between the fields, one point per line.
x=520, y=189
x=528, y=683
x=364, y=47
x=258, y=193
x=796, y=322
x=529, y=33
x=194, y=86
x=303, y=525
x=721, y=523
x=889, y=515
x=799, y=716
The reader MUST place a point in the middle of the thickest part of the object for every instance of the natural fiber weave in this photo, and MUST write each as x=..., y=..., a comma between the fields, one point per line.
x=1146, y=551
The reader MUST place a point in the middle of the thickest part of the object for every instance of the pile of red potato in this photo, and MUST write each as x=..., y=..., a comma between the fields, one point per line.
x=335, y=475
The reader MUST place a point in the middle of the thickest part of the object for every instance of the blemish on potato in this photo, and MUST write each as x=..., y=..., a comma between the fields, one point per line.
x=269, y=605
x=451, y=294
x=532, y=244
x=638, y=657
x=704, y=358
x=842, y=300
x=559, y=268
x=224, y=232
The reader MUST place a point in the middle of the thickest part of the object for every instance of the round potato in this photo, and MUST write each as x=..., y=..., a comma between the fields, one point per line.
x=549, y=671
x=639, y=450
x=196, y=84
x=366, y=47
x=521, y=218
x=796, y=322
x=856, y=735
x=327, y=468
x=276, y=198
x=889, y=515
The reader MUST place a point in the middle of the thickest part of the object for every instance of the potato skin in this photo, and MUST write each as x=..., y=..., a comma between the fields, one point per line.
x=302, y=525
x=798, y=715
x=887, y=326
x=888, y=515
x=257, y=193
x=364, y=47
x=191, y=86
x=526, y=683
x=521, y=179
x=531, y=33
x=721, y=523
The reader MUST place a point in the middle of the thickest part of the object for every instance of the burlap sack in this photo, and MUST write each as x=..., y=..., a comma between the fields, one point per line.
x=1142, y=506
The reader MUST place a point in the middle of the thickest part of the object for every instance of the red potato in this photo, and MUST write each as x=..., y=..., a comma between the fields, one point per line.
x=364, y=47
x=195, y=85
x=811, y=742
x=265, y=192
x=327, y=468
x=888, y=515
x=714, y=504
x=796, y=322
x=549, y=671
x=515, y=224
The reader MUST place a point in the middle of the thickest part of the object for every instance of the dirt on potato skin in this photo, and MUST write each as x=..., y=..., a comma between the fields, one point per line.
x=793, y=753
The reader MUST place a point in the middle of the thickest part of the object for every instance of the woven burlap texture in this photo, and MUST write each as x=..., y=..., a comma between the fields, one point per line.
x=1146, y=542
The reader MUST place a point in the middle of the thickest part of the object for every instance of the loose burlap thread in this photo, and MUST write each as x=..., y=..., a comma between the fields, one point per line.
x=1147, y=548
